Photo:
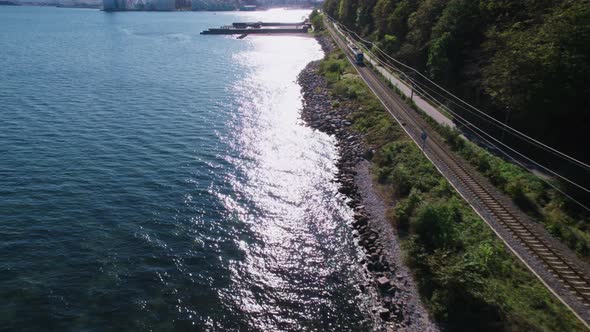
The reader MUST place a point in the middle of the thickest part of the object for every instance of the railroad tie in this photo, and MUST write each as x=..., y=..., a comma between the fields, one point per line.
x=551, y=256
x=574, y=276
x=528, y=236
x=576, y=282
x=571, y=274
x=561, y=267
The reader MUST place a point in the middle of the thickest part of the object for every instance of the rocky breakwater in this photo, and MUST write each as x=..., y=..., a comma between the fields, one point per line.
x=322, y=112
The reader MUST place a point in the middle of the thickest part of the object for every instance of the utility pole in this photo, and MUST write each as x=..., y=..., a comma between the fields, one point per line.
x=511, y=87
x=505, y=123
x=412, y=86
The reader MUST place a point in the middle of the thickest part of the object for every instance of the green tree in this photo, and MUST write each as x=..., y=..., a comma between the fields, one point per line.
x=454, y=30
x=316, y=20
x=364, y=20
x=347, y=12
x=540, y=70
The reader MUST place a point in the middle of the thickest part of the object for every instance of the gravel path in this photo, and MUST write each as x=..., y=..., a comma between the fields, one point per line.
x=408, y=297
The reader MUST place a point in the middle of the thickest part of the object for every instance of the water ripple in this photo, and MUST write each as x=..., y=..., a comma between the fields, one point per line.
x=152, y=178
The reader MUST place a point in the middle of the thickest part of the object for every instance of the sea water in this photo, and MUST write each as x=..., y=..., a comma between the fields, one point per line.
x=152, y=178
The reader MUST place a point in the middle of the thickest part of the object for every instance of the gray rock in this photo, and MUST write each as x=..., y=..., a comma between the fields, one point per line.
x=383, y=282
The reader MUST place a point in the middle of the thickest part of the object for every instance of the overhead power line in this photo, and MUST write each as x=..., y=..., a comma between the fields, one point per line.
x=432, y=99
x=421, y=89
x=435, y=101
x=493, y=120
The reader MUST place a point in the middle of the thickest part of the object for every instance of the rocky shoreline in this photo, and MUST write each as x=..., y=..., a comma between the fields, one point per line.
x=400, y=307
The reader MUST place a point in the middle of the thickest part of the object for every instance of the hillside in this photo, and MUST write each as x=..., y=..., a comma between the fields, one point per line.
x=528, y=58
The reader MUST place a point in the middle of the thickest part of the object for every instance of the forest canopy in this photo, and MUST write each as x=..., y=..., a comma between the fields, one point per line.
x=531, y=57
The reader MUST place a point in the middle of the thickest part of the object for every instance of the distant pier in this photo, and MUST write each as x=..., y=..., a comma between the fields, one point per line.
x=246, y=28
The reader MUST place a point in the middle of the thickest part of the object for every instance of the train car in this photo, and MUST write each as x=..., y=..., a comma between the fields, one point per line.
x=357, y=54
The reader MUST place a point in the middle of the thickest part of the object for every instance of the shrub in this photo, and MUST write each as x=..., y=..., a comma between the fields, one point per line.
x=316, y=20
x=405, y=209
x=434, y=225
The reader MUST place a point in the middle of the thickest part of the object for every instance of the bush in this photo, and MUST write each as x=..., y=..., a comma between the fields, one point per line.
x=331, y=66
x=434, y=225
x=334, y=63
x=316, y=20
x=405, y=209
x=351, y=88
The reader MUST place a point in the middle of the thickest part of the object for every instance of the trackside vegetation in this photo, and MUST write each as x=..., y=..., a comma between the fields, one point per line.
x=558, y=214
x=531, y=194
x=530, y=56
x=317, y=21
x=525, y=63
x=467, y=278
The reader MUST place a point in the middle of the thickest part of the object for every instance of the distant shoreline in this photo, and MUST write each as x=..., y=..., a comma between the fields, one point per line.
x=100, y=7
x=88, y=6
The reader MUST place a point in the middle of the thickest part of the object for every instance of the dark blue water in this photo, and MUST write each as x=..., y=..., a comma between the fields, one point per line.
x=155, y=179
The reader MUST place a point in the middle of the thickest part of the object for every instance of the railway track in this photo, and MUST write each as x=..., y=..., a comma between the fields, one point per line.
x=558, y=268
